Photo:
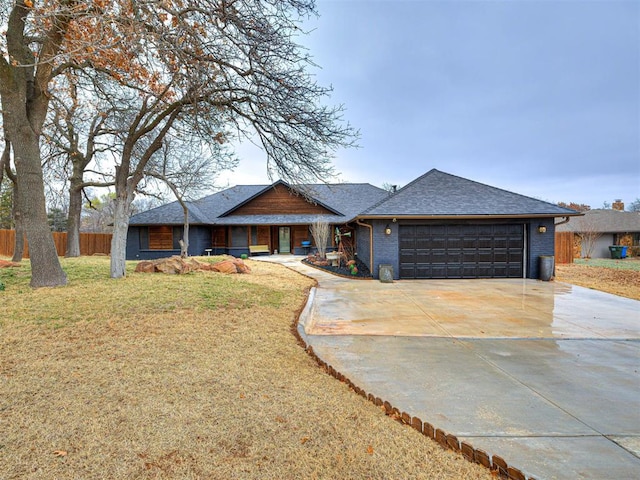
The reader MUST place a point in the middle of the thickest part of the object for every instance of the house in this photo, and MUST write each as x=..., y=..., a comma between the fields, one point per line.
x=599, y=229
x=438, y=226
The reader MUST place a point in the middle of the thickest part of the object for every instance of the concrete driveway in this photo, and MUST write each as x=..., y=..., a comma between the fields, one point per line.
x=545, y=375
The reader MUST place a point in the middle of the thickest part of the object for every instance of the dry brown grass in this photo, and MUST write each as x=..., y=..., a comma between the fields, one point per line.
x=187, y=377
x=623, y=282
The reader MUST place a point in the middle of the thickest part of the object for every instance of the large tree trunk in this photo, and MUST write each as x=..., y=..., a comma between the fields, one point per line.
x=45, y=265
x=75, y=214
x=18, y=248
x=119, y=238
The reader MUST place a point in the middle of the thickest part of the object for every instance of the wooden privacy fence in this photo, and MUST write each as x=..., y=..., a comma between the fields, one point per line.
x=564, y=247
x=90, y=243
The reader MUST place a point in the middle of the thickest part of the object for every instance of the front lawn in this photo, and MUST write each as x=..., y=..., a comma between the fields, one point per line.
x=191, y=376
x=620, y=277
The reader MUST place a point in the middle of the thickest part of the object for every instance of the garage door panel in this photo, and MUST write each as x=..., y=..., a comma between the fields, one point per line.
x=454, y=257
x=500, y=256
x=484, y=242
x=484, y=256
x=461, y=251
x=454, y=243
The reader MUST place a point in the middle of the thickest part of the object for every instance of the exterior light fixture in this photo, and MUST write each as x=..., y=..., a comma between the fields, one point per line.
x=387, y=230
x=542, y=229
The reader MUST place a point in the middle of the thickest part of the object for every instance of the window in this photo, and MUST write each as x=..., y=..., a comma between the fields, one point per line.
x=161, y=238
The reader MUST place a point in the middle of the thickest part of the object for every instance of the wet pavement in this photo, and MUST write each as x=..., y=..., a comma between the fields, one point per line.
x=544, y=374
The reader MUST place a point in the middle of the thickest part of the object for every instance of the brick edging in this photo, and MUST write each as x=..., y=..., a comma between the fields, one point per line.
x=494, y=463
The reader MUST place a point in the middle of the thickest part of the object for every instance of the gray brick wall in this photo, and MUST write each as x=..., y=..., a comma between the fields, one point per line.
x=386, y=247
x=539, y=244
x=362, y=245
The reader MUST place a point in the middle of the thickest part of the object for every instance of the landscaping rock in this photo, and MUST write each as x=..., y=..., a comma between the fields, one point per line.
x=178, y=265
x=226, y=266
x=174, y=265
x=145, y=266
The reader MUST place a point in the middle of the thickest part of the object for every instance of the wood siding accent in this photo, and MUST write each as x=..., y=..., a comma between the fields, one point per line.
x=564, y=249
x=264, y=235
x=161, y=238
x=279, y=200
x=299, y=233
x=219, y=237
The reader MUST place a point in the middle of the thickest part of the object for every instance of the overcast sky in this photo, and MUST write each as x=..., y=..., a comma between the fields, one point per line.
x=537, y=97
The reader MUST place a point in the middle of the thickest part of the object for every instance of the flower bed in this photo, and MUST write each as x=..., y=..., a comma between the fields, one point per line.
x=360, y=270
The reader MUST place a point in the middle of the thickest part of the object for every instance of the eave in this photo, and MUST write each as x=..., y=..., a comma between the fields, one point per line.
x=467, y=217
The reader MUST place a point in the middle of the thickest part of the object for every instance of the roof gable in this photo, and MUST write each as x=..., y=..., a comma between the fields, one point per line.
x=441, y=194
x=281, y=199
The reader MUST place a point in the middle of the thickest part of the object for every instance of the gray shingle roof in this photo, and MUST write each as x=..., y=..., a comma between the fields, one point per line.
x=444, y=195
x=603, y=221
x=435, y=194
x=346, y=199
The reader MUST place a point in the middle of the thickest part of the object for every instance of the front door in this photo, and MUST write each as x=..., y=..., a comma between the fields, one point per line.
x=284, y=240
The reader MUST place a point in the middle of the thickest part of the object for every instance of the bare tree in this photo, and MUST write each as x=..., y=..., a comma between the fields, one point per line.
x=221, y=62
x=321, y=231
x=203, y=63
x=589, y=234
x=27, y=63
x=73, y=142
x=187, y=171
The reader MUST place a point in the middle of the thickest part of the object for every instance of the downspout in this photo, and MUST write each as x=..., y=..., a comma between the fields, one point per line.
x=358, y=222
x=566, y=220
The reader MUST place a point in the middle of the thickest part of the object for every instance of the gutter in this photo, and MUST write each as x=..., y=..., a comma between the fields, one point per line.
x=566, y=220
x=358, y=222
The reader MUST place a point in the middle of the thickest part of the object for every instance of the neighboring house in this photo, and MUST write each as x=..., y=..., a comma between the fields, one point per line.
x=438, y=226
x=599, y=229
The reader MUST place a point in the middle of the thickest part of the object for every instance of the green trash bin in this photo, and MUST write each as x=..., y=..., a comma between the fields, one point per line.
x=616, y=251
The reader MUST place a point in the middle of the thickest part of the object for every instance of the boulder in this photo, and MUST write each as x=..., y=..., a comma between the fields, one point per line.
x=145, y=266
x=173, y=265
x=179, y=265
x=241, y=266
x=226, y=266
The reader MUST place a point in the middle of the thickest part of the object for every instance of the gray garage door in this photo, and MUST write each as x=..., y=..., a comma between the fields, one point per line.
x=461, y=251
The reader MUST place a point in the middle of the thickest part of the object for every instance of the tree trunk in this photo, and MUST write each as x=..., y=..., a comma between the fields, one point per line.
x=18, y=248
x=73, y=222
x=119, y=238
x=45, y=265
x=184, y=244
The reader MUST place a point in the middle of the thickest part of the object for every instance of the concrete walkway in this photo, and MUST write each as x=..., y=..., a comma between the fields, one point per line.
x=544, y=374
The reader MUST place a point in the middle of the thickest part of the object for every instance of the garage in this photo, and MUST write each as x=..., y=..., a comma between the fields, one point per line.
x=461, y=251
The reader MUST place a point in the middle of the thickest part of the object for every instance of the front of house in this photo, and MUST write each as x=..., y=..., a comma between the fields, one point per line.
x=438, y=226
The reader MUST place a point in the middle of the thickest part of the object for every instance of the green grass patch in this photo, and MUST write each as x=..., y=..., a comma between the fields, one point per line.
x=622, y=264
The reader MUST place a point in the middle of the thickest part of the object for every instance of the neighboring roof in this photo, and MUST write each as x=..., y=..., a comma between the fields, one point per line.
x=603, y=221
x=347, y=200
x=439, y=194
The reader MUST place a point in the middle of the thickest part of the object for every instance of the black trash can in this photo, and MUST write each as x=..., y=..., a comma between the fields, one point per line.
x=616, y=251
x=547, y=266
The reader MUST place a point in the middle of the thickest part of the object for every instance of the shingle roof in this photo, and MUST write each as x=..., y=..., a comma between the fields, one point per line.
x=435, y=194
x=346, y=199
x=441, y=194
x=603, y=221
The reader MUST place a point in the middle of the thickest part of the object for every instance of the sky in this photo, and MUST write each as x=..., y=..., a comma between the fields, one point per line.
x=537, y=97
